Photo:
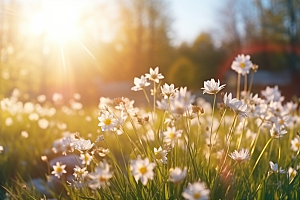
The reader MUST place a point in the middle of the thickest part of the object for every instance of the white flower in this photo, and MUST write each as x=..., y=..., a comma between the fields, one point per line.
x=236, y=105
x=9, y=121
x=274, y=168
x=171, y=135
x=196, y=191
x=142, y=169
x=154, y=75
x=277, y=131
x=100, y=177
x=86, y=158
x=1, y=148
x=212, y=87
x=295, y=144
x=58, y=169
x=82, y=145
x=177, y=175
x=242, y=64
x=291, y=173
x=168, y=90
x=140, y=83
x=107, y=121
x=44, y=158
x=160, y=155
x=272, y=94
x=57, y=97
x=240, y=156
x=79, y=172
x=43, y=123
x=33, y=116
x=24, y=134
x=41, y=98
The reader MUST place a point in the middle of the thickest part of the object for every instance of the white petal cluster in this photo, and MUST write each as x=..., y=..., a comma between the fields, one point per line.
x=177, y=175
x=142, y=169
x=168, y=90
x=140, y=83
x=212, y=87
x=240, y=156
x=99, y=178
x=242, y=64
x=239, y=107
x=274, y=168
x=196, y=191
x=154, y=75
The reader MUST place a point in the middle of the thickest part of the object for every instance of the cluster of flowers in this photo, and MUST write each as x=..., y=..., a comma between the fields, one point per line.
x=268, y=112
x=119, y=116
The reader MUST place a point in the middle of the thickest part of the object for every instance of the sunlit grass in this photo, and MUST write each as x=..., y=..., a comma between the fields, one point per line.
x=178, y=147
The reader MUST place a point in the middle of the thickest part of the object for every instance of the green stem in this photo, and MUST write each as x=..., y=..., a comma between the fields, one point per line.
x=211, y=130
x=251, y=82
x=261, y=153
x=246, y=180
x=238, y=86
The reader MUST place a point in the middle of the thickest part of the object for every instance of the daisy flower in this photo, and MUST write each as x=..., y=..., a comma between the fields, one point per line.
x=154, y=75
x=82, y=145
x=177, y=175
x=142, y=169
x=160, y=155
x=242, y=64
x=168, y=90
x=100, y=177
x=58, y=170
x=241, y=156
x=277, y=131
x=107, y=121
x=140, y=83
x=79, y=172
x=274, y=168
x=212, y=87
x=171, y=135
x=295, y=143
x=236, y=105
x=86, y=158
x=196, y=191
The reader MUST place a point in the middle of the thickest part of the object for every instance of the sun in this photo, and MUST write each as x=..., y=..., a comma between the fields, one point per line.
x=59, y=19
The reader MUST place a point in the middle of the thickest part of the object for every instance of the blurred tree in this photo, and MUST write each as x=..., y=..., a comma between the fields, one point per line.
x=144, y=35
x=183, y=73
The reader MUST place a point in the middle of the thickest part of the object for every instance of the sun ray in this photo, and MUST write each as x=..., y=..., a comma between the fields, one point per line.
x=63, y=56
x=84, y=47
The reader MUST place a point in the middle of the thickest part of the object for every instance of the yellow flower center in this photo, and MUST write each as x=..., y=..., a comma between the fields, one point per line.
x=281, y=122
x=86, y=157
x=59, y=170
x=107, y=121
x=297, y=145
x=171, y=135
x=242, y=65
x=158, y=156
x=143, y=170
x=196, y=195
x=102, y=179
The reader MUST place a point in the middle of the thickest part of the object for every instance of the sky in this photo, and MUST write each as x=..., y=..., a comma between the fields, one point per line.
x=191, y=17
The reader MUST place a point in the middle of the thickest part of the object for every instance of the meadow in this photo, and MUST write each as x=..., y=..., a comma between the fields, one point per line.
x=178, y=147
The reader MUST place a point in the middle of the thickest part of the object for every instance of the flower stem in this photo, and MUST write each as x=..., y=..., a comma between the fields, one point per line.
x=238, y=86
x=211, y=130
x=261, y=153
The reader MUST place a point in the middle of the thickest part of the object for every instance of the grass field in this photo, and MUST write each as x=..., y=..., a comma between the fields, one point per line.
x=178, y=147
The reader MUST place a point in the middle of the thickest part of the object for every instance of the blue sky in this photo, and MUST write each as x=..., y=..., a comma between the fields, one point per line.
x=192, y=17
